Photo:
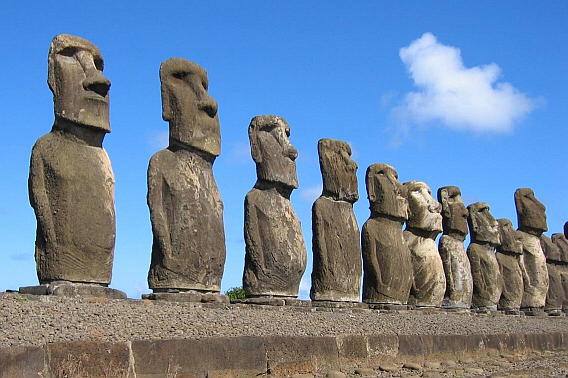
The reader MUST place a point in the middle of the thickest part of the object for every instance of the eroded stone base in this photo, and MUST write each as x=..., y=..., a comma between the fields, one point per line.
x=72, y=289
x=187, y=297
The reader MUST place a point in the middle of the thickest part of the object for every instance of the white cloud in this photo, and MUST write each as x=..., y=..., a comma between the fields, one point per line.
x=460, y=97
x=241, y=152
x=312, y=193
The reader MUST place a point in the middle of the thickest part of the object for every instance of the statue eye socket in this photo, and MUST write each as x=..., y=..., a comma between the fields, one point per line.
x=68, y=51
x=179, y=75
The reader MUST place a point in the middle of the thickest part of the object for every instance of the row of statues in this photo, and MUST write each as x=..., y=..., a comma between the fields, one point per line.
x=71, y=187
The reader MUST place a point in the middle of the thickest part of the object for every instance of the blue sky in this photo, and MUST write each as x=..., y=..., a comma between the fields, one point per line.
x=476, y=98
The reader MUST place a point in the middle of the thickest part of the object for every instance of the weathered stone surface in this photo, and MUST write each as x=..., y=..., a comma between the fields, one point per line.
x=223, y=356
x=336, y=243
x=72, y=289
x=276, y=255
x=423, y=225
x=487, y=279
x=532, y=223
x=459, y=282
x=22, y=361
x=555, y=295
x=509, y=258
x=89, y=359
x=188, y=250
x=71, y=184
x=288, y=355
x=560, y=241
x=387, y=261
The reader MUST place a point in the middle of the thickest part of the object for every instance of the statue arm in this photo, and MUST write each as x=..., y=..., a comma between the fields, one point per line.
x=253, y=237
x=158, y=218
x=319, y=237
x=39, y=199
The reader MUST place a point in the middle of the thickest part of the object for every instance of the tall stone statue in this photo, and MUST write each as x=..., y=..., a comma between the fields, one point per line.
x=459, y=283
x=336, y=243
x=186, y=211
x=532, y=223
x=555, y=295
x=276, y=256
x=562, y=243
x=71, y=183
x=487, y=279
x=423, y=225
x=387, y=263
x=509, y=256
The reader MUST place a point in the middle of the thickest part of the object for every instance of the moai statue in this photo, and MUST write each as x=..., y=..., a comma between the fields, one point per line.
x=566, y=230
x=509, y=255
x=560, y=241
x=555, y=295
x=186, y=211
x=487, y=279
x=459, y=283
x=276, y=255
x=71, y=183
x=336, y=242
x=387, y=263
x=423, y=225
x=532, y=223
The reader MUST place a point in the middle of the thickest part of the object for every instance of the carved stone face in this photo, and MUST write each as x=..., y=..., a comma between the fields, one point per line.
x=562, y=243
x=80, y=91
x=386, y=194
x=530, y=212
x=338, y=170
x=272, y=151
x=186, y=104
x=454, y=212
x=483, y=227
x=510, y=238
x=424, y=210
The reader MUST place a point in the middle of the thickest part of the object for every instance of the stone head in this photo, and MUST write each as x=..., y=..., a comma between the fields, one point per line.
x=551, y=250
x=338, y=170
x=482, y=226
x=75, y=76
x=510, y=238
x=272, y=151
x=424, y=210
x=387, y=196
x=186, y=104
x=530, y=212
x=562, y=243
x=454, y=212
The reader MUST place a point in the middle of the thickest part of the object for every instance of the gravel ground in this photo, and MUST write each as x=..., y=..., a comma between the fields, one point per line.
x=36, y=320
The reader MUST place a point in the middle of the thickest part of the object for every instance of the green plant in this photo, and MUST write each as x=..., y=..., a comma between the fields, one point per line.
x=235, y=293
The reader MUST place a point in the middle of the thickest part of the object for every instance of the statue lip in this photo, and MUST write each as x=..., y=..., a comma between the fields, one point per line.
x=97, y=97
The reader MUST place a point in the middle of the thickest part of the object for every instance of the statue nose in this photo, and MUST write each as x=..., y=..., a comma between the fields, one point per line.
x=292, y=152
x=208, y=105
x=96, y=82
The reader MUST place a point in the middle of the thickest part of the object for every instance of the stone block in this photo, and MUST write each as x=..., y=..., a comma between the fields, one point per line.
x=288, y=355
x=22, y=361
x=89, y=359
x=352, y=350
x=237, y=357
x=382, y=348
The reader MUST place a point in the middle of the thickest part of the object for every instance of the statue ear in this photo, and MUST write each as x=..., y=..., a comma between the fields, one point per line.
x=474, y=224
x=370, y=182
x=254, y=144
x=166, y=103
x=443, y=198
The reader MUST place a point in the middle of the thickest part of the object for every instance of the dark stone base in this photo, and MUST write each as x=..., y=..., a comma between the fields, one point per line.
x=268, y=301
x=389, y=306
x=512, y=311
x=71, y=289
x=332, y=304
x=554, y=312
x=456, y=310
x=533, y=311
x=187, y=297
x=297, y=302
